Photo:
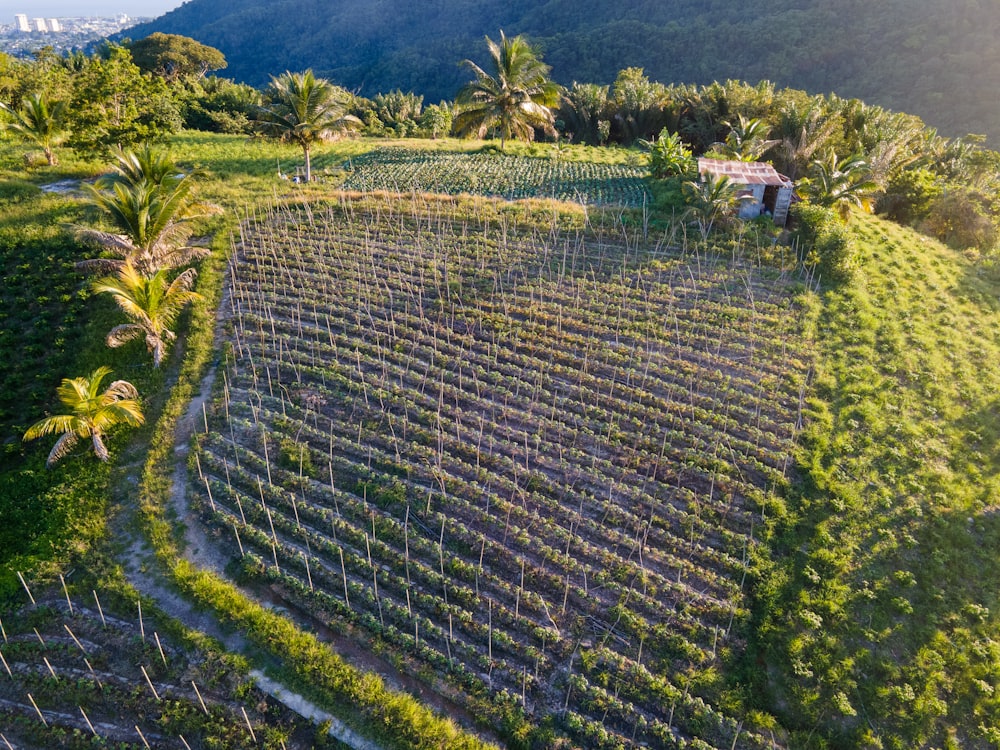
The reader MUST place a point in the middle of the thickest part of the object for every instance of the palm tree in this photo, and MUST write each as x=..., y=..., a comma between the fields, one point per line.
x=306, y=110
x=514, y=101
x=747, y=140
x=709, y=200
x=41, y=122
x=152, y=205
x=803, y=128
x=92, y=412
x=840, y=185
x=152, y=302
x=146, y=165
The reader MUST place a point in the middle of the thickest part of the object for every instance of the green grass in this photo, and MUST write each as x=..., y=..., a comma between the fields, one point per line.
x=884, y=628
x=876, y=618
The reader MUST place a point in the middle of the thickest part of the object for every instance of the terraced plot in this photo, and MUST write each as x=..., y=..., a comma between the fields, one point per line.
x=528, y=461
x=500, y=175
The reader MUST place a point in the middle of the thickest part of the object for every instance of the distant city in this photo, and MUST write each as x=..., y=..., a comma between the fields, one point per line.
x=29, y=34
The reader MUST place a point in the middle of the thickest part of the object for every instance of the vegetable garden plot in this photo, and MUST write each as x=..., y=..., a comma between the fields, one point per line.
x=500, y=175
x=530, y=461
x=76, y=673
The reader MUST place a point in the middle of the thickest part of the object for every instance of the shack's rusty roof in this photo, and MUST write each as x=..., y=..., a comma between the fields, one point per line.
x=744, y=172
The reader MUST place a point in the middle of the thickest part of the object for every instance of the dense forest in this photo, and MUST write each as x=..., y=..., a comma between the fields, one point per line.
x=934, y=58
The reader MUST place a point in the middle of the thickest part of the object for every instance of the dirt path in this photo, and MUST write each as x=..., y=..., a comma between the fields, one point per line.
x=143, y=572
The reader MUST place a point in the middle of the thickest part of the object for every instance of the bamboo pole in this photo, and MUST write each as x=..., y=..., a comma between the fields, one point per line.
x=37, y=710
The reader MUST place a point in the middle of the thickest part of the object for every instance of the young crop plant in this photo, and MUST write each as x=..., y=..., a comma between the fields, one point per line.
x=501, y=175
x=89, y=668
x=532, y=464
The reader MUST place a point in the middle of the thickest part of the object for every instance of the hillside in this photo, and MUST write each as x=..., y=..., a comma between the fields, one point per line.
x=567, y=476
x=932, y=58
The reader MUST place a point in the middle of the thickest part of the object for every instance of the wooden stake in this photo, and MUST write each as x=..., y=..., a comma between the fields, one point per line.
x=39, y=636
x=343, y=572
x=75, y=639
x=142, y=628
x=37, y=710
x=23, y=583
x=99, y=610
x=51, y=670
x=200, y=699
x=149, y=682
x=6, y=666
x=249, y=725
x=159, y=646
x=208, y=489
x=242, y=553
x=6, y=742
x=87, y=719
x=184, y=741
x=66, y=591
x=4, y=632
x=141, y=736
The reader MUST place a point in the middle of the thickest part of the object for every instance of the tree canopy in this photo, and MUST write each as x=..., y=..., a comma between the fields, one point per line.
x=513, y=100
x=303, y=109
x=89, y=413
x=172, y=56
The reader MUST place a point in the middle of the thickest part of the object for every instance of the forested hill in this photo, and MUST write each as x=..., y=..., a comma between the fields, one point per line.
x=938, y=59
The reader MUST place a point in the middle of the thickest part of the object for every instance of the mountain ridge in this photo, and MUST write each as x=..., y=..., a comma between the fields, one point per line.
x=932, y=58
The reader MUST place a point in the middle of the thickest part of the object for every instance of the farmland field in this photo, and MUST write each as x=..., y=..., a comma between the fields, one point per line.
x=78, y=671
x=501, y=175
x=530, y=458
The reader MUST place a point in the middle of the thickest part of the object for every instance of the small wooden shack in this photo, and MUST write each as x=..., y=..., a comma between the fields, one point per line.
x=762, y=189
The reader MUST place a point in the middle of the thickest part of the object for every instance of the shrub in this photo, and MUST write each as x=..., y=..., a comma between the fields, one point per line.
x=824, y=242
x=959, y=218
x=909, y=195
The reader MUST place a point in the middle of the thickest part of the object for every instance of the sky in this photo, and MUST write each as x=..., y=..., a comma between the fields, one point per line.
x=73, y=8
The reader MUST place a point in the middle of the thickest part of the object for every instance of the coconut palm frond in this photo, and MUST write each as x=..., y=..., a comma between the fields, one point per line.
x=123, y=334
x=62, y=448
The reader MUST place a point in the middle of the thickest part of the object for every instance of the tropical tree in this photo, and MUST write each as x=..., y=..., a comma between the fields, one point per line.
x=172, y=57
x=710, y=199
x=514, y=101
x=113, y=104
x=669, y=156
x=639, y=106
x=436, y=119
x=803, y=129
x=152, y=206
x=747, y=140
x=839, y=185
x=305, y=110
x=153, y=304
x=92, y=412
x=41, y=122
x=584, y=111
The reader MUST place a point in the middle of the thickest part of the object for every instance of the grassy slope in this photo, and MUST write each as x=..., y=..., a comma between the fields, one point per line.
x=896, y=526
x=889, y=608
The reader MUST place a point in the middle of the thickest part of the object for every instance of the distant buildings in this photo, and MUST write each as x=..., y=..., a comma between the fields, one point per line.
x=24, y=25
x=27, y=35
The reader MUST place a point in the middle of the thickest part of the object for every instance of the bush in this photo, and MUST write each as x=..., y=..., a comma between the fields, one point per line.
x=909, y=195
x=960, y=218
x=824, y=242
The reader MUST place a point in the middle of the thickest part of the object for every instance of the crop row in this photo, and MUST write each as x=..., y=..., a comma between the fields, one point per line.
x=510, y=177
x=502, y=461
